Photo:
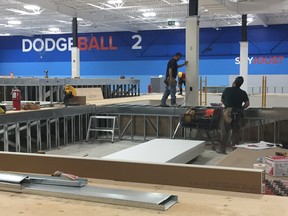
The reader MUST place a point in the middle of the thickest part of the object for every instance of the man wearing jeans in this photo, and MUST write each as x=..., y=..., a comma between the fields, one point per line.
x=235, y=101
x=170, y=80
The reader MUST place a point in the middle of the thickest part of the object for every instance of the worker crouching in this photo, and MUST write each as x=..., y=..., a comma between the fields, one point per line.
x=69, y=92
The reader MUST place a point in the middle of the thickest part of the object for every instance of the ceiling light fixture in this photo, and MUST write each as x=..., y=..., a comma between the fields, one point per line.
x=250, y=19
x=32, y=10
x=115, y=1
x=149, y=14
x=32, y=7
x=54, y=30
x=14, y=22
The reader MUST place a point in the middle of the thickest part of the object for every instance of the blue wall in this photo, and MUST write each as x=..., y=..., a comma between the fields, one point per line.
x=145, y=54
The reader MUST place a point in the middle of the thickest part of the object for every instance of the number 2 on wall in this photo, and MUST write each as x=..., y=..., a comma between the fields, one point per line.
x=137, y=44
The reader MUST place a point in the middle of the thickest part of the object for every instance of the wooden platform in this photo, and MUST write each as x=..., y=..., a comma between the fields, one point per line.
x=245, y=158
x=191, y=202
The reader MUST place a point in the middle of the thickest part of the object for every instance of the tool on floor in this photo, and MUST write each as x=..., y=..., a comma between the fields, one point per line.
x=2, y=109
x=281, y=154
x=64, y=175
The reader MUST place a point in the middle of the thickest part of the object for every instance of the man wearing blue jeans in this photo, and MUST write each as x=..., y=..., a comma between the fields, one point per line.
x=170, y=80
x=235, y=101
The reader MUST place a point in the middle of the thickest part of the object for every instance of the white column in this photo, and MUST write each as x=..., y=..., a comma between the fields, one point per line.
x=75, y=60
x=192, y=56
x=244, y=64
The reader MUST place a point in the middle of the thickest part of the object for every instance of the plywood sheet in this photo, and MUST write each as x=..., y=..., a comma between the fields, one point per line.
x=191, y=202
x=245, y=158
x=90, y=93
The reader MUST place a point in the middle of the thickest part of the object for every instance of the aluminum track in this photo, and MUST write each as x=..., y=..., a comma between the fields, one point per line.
x=26, y=184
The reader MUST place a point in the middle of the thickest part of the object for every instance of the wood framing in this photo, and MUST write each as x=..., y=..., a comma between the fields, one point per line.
x=218, y=178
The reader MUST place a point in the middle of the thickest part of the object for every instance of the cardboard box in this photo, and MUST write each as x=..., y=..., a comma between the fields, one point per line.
x=276, y=165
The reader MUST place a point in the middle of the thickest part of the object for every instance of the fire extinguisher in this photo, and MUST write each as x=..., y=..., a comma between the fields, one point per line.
x=16, y=98
x=149, y=88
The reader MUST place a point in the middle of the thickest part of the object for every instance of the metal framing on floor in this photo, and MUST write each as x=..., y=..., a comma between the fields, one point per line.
x=44, y=129
x=49, y=128
x=266, y=124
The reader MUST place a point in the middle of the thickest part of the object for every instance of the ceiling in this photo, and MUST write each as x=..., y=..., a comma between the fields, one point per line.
x=101, y=16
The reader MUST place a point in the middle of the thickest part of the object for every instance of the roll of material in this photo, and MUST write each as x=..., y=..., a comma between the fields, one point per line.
x=259, y=166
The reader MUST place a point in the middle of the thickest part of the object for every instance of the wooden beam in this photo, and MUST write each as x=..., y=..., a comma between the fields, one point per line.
x=217, y=178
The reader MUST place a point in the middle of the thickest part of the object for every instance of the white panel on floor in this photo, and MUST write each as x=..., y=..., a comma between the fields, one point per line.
x=161, y=151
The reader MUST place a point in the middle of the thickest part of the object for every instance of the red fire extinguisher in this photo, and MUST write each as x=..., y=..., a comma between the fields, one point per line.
x=149, y=88
x=16, y=98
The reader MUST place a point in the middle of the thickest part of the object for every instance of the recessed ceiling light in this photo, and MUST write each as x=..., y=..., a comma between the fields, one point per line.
x=14, y=22
x=32, y=7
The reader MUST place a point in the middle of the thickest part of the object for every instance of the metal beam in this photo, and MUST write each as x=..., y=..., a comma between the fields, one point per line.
x=262, y=19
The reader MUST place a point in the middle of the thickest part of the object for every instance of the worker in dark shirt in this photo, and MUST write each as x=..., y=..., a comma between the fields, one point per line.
x=235, y=101
x=170, y=80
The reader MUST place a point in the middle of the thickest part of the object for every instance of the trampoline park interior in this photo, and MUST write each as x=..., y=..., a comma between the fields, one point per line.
x=110, y=148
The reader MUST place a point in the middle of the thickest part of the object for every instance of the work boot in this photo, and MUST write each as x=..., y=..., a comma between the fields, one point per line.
x=164, y=105
x=175, y=105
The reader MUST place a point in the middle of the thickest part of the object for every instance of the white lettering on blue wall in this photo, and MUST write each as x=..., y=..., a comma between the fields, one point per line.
x=47, y=44
x=262, y=60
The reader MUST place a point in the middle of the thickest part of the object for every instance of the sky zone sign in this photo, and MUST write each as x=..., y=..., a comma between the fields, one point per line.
x=262, y=60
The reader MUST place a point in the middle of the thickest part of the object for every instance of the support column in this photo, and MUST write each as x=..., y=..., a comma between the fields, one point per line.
x=244, y=54
x=75, y=53
x=192, y=55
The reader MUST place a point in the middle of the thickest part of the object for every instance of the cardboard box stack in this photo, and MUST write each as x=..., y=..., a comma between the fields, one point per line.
x=276, y=165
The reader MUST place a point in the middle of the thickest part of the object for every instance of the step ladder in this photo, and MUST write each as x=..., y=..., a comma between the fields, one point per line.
x=112, y=124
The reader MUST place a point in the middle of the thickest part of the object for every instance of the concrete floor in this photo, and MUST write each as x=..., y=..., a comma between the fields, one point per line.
x=97, y=148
